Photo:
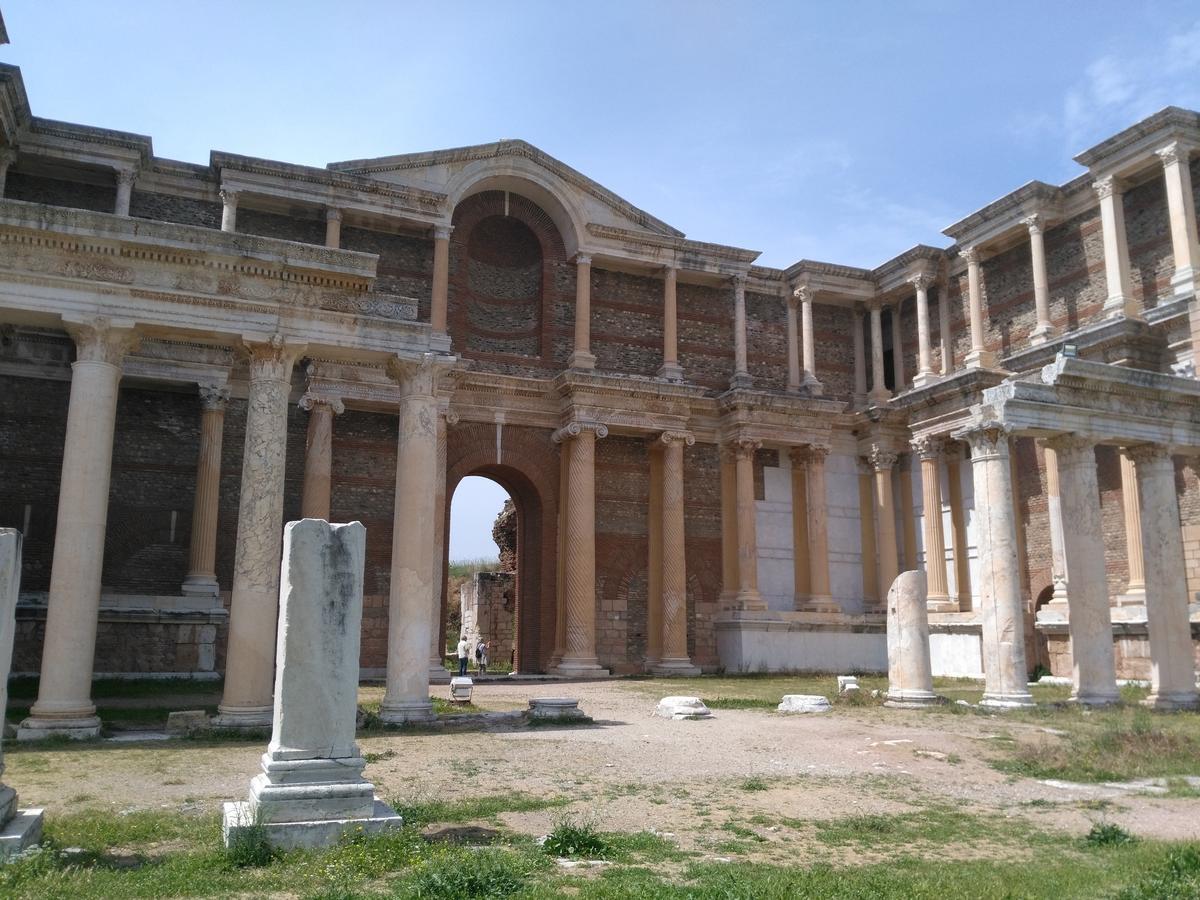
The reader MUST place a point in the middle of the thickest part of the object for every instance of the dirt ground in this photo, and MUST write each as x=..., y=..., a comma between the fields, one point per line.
x=632, y=771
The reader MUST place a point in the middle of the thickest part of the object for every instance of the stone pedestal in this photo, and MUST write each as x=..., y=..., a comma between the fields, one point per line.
x=910, y=675
x=19, y=828
x=311, y=788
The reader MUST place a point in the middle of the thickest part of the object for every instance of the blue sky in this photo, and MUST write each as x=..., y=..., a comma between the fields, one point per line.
x=839, y=131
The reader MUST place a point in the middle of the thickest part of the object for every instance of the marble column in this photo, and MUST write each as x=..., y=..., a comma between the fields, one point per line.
x=254, y=604
x=411, y=594
x=860, y=358
x=741, y=365
x=929, y=450
x=1036, y=223
x=8, y=156
x=809, y=381
x=125, y=179
x=748, y=596
x=582, y=357
x=1006, y=677
x=1058, y=560
x=439, y=303
x=674, y=660
x=879, y=392
x=925, y=374
x=945, y=344
x=201, y=577
x=438, y=673
x=64, y=705
x=820, y=597
x=1181, y=211
x=959, y=540
x=1172, y=664
x=883, y=461
x=729, y=541
x=1089, y=619
x=793, y=341
x=333, y=227
x=318, y=455
x=1120, y=300
x=229, y=208
x=560, y=599
x=801, y=572
x=978, y=357
x=908, y=521
x=579, y=569
x=670, y=369
x=897, y=350
x=1135, y=590
x=866, y=520
x=654, y=575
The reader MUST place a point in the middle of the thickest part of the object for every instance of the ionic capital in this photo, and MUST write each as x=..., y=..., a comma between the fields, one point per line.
x=683, y=437
x=928, y=446
x=229, y=197
x=442, y=232
x=574, y=429
x=882, y=458
x=1106, y=187
x=213, y=396
x=922, y=281
x=1172, y=154
x=333, y=214
x=985, y=439
x=451, y=417
x=1036, y=223
x=100, y=341
x=311, y=401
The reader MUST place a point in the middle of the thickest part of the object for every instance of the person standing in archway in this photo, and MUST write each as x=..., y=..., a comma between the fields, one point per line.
x=481, y=656
x=464, y=651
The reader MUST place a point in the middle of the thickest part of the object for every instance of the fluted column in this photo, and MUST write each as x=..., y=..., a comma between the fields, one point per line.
x=860, y=357
x=201, y=577
x=1041, y=283
x=1181, y=210
x=793, y=341
x=1172, y=664
x=654, y=575
x=439, y=302
x=8, y=156
x=1058, y=563
x=978, y=355
x=879, y=392
x=560, y=598
x=437, y=670
x=729, y=539
x=125, y=179
x=748, y=596
x=229, y=208
x=929, y=450
x=908, y=521
x=254, y=605
x=675, y=660
x=741, y=365
x=959, y=541
x=579, y=571
x=670, y=370
x=333, y=227
x=1006, y=678
x=897, y=350
x=1120, y=300
x=801, y=573
x=1089, y=619
x=1135, y=590
x=925, y=374
x=411, y=594
x=582, y=357
x=318, y=455
x=883, y=461
x=866, y=520
x=64, y=704
x=820, y=598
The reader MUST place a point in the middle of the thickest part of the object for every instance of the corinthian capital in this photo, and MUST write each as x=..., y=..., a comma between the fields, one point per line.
x=927, y=446
x=922, y=281
x=420, y=376
x=213, y=396
x=98, y=340
x=802, y=294
x=881, y=457
x=126, y=177
x=272, y=358
x=1105, y=187
x=1035, y=222
x=970, y=255
x=985, y=439
x=1172, y=153
x=744, y=448
x=229, y=197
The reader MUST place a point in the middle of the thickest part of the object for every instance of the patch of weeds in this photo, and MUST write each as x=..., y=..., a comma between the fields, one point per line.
x=444, y=707
x=479, y=875
x=1039, y=802
x=953, y=759
x=578, y=839
x=932, y=826
x=1108, y=834
x=858, y=698
x=755, y=784
x=379, y=757
x=641, y=846
x=1182, y=788
x=1096, y=805
x=1178, y=878
x=739, y=703
x=746, y=834
x=248, y=847
x=425, y=812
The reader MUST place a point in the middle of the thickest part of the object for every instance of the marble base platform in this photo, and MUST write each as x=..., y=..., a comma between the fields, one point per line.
x=239, y=817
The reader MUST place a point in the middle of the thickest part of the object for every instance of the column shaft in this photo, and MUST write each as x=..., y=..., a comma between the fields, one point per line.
x=64, y=703
x=820, y=594
x=978, y=356
x=793, y=347
x=1006, y=678
x=333, y=228
x=1116, y=249
x=944, y=342
x=437, y=669
x=229, y=207
x=879, y=391
x=1058, y=565
x=1181, y=209
x=564, y=498
x=1089, y=619
x=125, y=179
x=741, y=366
x=582, y=357
x=885, y=514
x=579, y=656
x=1041, y=283
x=897, y=351
x=318, y=457
x=411, y=590
x=959, y=541
x=801, y=572
x=860, y=357
x=440, y=297
x=654, y=578
x=729, y=542
x=810, y=347
x=925, y=374
x=254, y=605
x=908, y=522
x=929, y=450
x=748, y=596
x=202, y=551
x=671, y=369
x=674, y=567
x=866, y=519
x=1172, y=665
x=8, y=156
x=1135, y=591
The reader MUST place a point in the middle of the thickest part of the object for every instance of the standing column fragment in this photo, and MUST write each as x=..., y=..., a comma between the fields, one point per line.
x=201, y=577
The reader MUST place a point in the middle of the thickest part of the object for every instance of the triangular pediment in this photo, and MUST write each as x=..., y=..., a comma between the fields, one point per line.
x=441, y=170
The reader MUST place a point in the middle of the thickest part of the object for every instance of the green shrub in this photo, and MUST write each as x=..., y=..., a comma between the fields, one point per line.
x=1108, y=834
x=476, y=875
x=578, y=839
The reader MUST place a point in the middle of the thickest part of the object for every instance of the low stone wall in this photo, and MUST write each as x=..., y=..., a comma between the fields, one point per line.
x=771, y=641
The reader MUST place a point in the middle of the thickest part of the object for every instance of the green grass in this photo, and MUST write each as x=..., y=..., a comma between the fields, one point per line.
x=26, y=688
x=486, y=808
x=927, y=828
x=462, y=567
x=755, y=784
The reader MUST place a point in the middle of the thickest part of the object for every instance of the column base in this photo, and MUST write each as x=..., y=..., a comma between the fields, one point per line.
x=671, y=372
x=438, y=674
x=877, y=397
x=1015, y=700
x=810, y=386
x=741, y=381
x=1095, y=698
x=1120, y=308
x=819, y=604
x=946, y=604
x=580, y=667
x=439, y=342
x=407, y=711
x=580, y=359
x=1132, y=598
x=911, y=699
x=38, y=728
x=1041, y=334
x=749, y=600
x=727, y=600
x=1173, y=700
x=681, y=668
x=200, y=586
x=980, y=359
x=925, y=379
x=242, y=718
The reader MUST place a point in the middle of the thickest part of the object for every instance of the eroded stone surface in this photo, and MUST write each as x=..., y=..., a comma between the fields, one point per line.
x=682, y=708
x=910, y=676
x=804, y=703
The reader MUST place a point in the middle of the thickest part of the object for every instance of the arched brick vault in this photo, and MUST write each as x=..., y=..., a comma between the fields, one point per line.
x=528, y=470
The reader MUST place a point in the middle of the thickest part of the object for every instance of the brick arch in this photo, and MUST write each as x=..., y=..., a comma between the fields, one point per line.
x=528, y=471
x=530, y=348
